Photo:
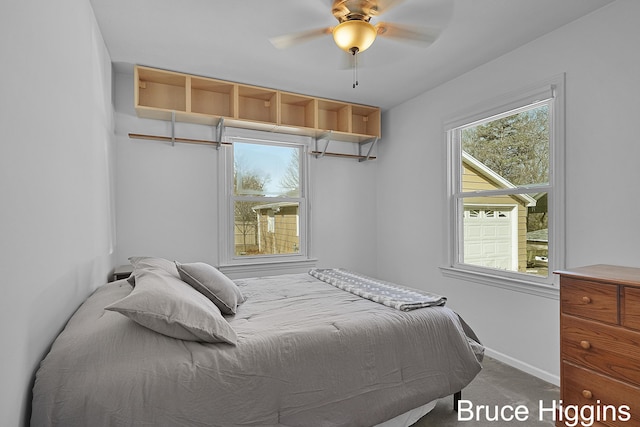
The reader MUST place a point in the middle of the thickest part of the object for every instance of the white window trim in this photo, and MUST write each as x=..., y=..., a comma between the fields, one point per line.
x=553, y=87
x=227, y=261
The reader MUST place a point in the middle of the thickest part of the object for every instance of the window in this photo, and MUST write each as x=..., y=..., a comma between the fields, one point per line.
x=263, y=215
x=506, y=189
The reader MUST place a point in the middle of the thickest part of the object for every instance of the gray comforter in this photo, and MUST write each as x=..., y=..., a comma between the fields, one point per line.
x=308, y=354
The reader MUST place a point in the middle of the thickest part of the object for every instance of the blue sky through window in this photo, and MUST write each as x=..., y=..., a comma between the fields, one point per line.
x=265, y=160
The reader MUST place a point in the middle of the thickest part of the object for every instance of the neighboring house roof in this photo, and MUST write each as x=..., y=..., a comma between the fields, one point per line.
x=495, y=178
x=542, y=203
x=275, y=206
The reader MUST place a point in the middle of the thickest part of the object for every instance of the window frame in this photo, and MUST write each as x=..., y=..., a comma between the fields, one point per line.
x=227, y=260
x=551, y=89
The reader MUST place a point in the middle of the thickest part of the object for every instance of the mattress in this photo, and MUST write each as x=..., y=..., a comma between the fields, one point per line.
x=307, y=354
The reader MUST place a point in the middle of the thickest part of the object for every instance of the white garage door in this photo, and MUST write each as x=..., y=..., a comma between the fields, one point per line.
x=488, y=237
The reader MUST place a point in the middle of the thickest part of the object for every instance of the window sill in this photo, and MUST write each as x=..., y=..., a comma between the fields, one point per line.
x=512, y=284
x=271, y=268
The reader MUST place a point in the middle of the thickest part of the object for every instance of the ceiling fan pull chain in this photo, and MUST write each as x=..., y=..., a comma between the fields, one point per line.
x=355, y=68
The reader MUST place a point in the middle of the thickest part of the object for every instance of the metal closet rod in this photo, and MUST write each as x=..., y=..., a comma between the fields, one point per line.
x=175, y=139
x=330, y=154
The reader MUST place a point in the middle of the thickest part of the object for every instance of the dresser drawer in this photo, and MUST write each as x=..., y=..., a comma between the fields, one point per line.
x=630, y=307
x=611, y=350
x=584, y=387
x=597, y=301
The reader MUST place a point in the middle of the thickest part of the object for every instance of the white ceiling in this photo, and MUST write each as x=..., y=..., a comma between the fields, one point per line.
x=229, y=40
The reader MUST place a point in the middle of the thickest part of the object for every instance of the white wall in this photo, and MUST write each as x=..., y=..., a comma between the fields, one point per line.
x=344, y=214
x=599, y=55
x=57, y=213
x=167, y=195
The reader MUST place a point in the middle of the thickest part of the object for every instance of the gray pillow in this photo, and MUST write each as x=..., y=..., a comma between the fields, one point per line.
x=140, y=262
x=213, y=284
x=169, y=306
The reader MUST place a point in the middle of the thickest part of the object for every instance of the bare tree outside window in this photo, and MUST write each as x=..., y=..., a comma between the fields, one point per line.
x=291, y=179
x=246, y=220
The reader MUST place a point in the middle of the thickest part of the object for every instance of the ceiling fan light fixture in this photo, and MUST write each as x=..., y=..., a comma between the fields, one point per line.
x=354, y=36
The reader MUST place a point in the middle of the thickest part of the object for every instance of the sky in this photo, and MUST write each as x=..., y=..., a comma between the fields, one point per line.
x=263, y=159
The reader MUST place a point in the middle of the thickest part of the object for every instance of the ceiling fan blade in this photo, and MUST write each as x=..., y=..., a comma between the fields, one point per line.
x=288, y=40
x=423, y=35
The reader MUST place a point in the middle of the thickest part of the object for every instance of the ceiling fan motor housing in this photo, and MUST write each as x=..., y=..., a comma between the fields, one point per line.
x=347, y=10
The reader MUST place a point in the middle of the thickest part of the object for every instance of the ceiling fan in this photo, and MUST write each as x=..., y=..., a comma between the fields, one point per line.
x=355, y=31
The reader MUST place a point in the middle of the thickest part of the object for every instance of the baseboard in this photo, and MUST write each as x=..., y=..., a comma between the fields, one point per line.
x=523, y=366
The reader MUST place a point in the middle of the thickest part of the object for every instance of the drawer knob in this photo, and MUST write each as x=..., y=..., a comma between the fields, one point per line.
x=586, y=300
x=587, y=394
x=585, y=344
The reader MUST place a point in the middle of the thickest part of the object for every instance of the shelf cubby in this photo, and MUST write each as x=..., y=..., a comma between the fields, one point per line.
x=257, y=104
x=334, y=115
x=161, y=89
x=365, y=120
x=298, y=110
x=212, y=97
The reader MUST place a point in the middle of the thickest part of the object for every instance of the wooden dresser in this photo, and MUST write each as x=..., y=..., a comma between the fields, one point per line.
x=600, y=340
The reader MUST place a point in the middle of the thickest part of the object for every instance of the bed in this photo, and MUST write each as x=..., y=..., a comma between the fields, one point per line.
x=289, y=350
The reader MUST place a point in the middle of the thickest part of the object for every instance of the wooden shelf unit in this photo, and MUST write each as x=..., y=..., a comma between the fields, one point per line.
x=203, y=100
